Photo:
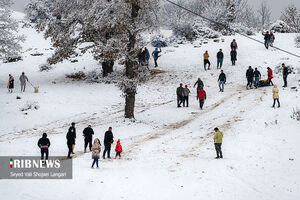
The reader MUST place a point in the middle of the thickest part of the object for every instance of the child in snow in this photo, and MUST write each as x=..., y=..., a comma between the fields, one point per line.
x=10, y=84
x=118, y=149
x=96, y=149
x=275, y=95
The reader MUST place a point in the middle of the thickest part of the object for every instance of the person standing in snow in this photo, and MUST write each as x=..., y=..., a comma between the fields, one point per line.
x=44, y=144
x=272, y=39
x=267, y=38
x=108, y=140
x=275, y=96
x=206, y=61
x=186, y=93
x=96, y=149
x=233, y=55
x=220, y=57
x=10, y=84
x=71, y=138
x=118, y=149
x=156, y=55
x=270, y=75
x=257, y=77
x=202, y=97
x=199, y=84
x=222, y=81
x=218, y=140
x=233, y=45
x=285, y=73
x=249, y=76
x=179, y=92
x=147, y=56
x=23, y=78
x=88, y=133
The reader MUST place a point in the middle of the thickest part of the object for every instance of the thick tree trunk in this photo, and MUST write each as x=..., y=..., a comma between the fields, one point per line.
x=107, y=67
x=129, y=103
x=131, y=64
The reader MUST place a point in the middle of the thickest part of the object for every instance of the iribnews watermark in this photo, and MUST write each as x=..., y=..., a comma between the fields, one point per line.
x=32, y=167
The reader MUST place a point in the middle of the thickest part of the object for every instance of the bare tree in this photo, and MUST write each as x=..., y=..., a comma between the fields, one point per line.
x=291, y=16
x=264, y=12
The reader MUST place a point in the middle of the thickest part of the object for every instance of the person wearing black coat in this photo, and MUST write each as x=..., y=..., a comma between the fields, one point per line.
x=257, y=77
x=267, y=39
x=71, y=137
x=88, y=133
x=220, y=57
x=222, y=81
x=233, y=55
x=285, y=73
x=44, y=144
x=249, y=76
x=108, y=140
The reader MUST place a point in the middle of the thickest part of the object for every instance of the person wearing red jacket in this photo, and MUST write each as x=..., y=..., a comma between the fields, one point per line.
x=270, y=75
x=202, y=97
x=118, y=149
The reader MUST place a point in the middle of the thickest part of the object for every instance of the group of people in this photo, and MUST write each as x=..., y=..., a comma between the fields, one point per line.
x=11, y=82
x=95, y=148
x=220, y=56
x=144, y=56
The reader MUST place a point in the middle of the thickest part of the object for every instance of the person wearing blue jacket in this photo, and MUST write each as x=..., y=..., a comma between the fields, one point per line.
x=156, y=55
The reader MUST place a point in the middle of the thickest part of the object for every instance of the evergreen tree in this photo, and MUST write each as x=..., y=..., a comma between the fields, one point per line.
x=9, y=42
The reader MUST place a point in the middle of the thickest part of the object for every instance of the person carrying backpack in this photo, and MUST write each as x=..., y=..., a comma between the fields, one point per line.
x=233, y=45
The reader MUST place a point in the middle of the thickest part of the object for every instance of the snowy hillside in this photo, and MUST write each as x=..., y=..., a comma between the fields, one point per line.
x=169, y=151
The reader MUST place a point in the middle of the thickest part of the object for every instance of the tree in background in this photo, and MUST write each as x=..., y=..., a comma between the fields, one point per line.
x=291, y=16
x=9, y=42
x=264, y=12
x=109, y=29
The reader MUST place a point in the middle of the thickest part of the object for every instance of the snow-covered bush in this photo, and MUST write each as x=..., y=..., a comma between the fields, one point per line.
x=204, y=32
x=30, y=105
x=36, y=10
x=297, y=41
x=240, y=28
x=159, y=41
x=296, y=114
x=45, y=67
x=280, y=27
x=77, y=76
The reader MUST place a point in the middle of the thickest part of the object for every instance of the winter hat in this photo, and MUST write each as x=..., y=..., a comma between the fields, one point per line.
x=275, y=86
x=185, y=86
x=44, y=135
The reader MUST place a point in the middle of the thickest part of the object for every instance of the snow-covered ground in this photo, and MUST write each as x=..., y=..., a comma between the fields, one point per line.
x=168, y=152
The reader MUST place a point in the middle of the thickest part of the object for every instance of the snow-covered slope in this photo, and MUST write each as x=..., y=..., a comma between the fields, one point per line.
x=168, y=151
